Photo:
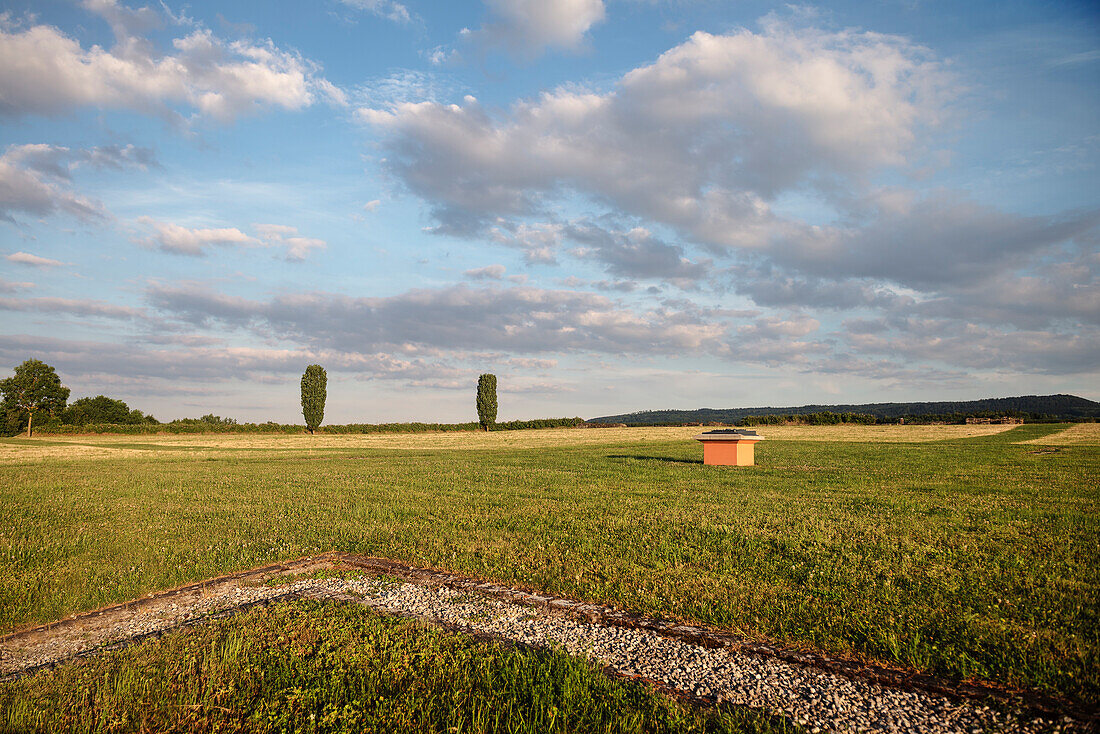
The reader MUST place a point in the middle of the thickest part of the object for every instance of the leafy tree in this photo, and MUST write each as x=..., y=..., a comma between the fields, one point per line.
x=314, y=392
x=136, y=417
x=100, y=409
x=487, y=400
x=35, y=388
x=103, y=410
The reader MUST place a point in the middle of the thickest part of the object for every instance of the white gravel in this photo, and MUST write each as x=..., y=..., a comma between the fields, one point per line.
x=818, y=700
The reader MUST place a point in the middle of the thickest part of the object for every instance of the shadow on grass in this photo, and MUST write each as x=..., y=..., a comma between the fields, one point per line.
x=667, y=459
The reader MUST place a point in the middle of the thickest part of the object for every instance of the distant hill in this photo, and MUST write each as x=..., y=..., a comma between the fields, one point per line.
x=1032, y=406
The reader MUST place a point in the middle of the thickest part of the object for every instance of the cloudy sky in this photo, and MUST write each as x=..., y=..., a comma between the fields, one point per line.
x=612, y=204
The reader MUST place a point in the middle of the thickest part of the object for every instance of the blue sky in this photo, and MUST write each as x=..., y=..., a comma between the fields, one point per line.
x=612, y=204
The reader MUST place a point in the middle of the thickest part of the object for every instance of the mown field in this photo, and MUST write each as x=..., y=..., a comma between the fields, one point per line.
x=968, y=551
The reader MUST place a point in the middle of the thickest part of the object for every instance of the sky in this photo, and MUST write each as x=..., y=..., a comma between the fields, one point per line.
x=613, y=205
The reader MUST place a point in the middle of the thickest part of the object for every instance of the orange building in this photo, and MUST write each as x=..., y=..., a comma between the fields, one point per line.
x=731, y=447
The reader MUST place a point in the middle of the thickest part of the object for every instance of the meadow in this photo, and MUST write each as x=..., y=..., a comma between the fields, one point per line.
x=963, y=551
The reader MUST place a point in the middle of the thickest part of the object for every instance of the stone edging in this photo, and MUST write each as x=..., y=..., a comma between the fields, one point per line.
x=896, y=678
x=706, y=637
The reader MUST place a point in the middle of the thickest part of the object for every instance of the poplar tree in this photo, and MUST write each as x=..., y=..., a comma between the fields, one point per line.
x=487, y=400
x=314, y=392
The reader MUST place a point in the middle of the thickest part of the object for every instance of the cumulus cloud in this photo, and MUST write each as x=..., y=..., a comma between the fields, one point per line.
x=36, y=179
x=182, y=240
x=701, y=140
x=36, y=261
x=706, y=140
x=43, y=71
x=196, y=242
x=528, y=27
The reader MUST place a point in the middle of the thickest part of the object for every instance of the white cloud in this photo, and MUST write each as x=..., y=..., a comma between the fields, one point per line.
x=125, y=22
x=774, y=327
x=72, y=306
x=26, y=258
x=706, y=141
x=372, y=205
x=440, y=55
x=528, y=27
x=538, y=241
x=281, y=235
x=14, y=286
x=36, y=179
x=45, y=72
x=489, y=272
x=180, y=240
x=394, y=11
x=702, y=140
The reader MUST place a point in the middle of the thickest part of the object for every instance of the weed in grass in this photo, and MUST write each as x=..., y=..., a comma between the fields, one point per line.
x=389, y=579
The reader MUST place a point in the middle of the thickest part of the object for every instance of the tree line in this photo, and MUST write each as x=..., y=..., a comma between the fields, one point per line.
x=1028, y=407
x=35, y=392
x=34, y=398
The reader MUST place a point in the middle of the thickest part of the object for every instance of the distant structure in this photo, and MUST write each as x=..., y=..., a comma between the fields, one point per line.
x=1003, y=420
x=728, y=447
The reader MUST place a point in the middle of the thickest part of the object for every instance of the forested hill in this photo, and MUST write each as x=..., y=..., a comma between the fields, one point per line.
x=1033, y=406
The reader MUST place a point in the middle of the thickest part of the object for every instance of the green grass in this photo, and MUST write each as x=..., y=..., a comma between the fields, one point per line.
x=965, y=558
x=329, y=667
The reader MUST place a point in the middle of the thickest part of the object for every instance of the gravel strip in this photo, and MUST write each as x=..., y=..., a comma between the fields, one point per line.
x=814, y=698
x=22, y=654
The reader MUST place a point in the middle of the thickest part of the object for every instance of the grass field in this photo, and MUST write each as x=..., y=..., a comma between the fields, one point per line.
x=958, y=550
